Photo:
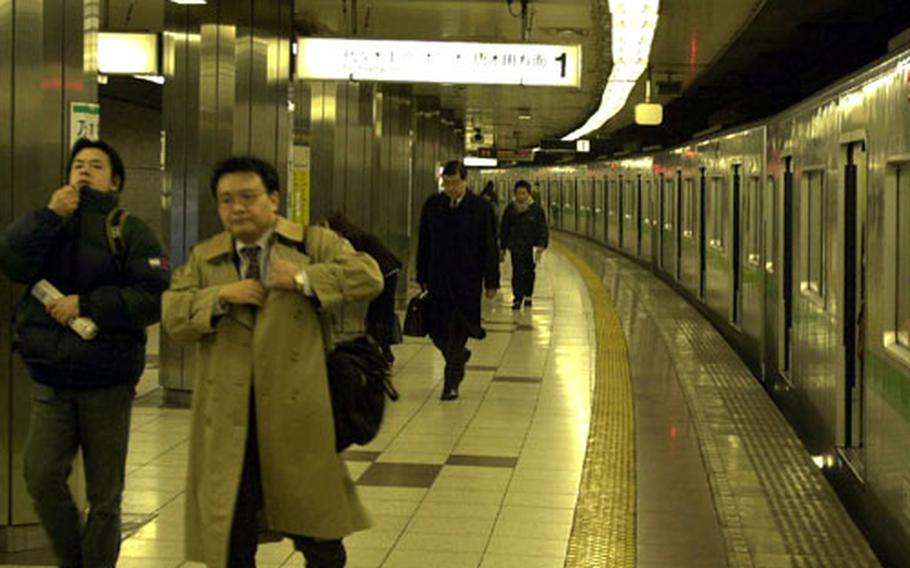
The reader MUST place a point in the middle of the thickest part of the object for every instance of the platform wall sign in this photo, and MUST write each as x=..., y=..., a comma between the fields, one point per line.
x=85, y=121
x=439, y=62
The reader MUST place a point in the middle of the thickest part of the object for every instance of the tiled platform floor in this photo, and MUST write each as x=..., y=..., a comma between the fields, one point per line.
x=488, y=480
x=491, y=480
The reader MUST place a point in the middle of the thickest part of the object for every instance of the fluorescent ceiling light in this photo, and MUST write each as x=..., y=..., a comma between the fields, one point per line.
x=439, y=62
x=634, y=22
x=157, y=79
x=475, y=162
x=127, y=53
x=189, y=2
x=524, y=116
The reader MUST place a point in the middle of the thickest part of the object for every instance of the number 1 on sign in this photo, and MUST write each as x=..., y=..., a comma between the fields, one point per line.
x=562, y=59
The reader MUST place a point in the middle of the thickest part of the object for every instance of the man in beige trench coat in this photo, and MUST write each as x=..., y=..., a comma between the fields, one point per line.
x=262, y=448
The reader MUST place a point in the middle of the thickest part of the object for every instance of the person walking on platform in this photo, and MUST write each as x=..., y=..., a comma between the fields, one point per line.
x=84, y=376
x=456, y=261
x=262, y=444
x=524, y=233
x=381, y=320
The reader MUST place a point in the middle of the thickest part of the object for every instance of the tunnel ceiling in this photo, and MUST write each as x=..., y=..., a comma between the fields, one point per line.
x=714, y=63
x=690, y=35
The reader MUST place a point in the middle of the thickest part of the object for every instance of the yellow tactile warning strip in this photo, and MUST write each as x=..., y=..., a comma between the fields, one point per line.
x=603, y=531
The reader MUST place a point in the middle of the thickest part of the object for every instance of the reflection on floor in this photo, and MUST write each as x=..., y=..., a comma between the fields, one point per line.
x=488, y=480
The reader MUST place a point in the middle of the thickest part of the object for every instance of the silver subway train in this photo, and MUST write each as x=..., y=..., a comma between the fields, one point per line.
x=793, y=236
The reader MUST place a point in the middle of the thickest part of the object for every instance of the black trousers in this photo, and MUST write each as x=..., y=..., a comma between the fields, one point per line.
x=450, y=339
x=244, y=538
x=381, y=320
x=522, y=272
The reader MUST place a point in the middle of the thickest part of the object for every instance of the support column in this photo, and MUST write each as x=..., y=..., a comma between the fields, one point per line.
x=227, y=68
x=47, y=61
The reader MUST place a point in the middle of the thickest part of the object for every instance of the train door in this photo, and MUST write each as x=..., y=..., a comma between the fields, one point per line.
x=678, y=232
x=600, y=230
x=568, y=205
x=584, y=209
x=785, y=335
x=737, y=248
x=854, y=313
x=639, y=199
x=646, y=215
x=614, y=227
x=662, y=222
x=702, y=232
x=555, y=203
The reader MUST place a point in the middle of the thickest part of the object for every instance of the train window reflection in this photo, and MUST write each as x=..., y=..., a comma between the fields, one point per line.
x=717, y=212
x=689, y=215
x=814, y=231
x=754, y=189
x=902, y=286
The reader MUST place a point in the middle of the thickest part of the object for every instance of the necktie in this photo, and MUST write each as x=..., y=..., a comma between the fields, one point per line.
x=252, y=256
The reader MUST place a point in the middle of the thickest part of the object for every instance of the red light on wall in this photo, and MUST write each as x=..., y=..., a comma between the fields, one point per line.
x=690, y=152
x=657, y=169
x=57, y=84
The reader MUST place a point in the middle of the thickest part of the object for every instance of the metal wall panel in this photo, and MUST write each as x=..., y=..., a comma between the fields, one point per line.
x=226, y=94
x=7, y=290
x=36, y=88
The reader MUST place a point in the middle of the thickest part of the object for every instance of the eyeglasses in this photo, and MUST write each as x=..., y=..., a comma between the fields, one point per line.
x=245, y=198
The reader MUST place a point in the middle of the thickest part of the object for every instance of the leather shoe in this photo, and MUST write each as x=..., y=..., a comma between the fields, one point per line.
x=449, y=394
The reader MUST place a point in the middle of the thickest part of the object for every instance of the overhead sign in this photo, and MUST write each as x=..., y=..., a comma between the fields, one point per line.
x=128, y=53
x=440, y=62
x=582, y=145
x=520, y=155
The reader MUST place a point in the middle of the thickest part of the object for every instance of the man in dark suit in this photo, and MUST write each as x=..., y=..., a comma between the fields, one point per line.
x=456, y=261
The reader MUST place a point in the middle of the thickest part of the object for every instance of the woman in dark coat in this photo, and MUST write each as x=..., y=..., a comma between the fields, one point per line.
x=524, y=228
x=381, y=320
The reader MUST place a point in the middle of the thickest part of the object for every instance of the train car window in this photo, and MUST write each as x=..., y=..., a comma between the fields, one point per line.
x=813, y=221
x=614, y=197
x=755, y=198
x=689, y=215
x=628, y=199
x=717, y=212
x=670, y=203
x=902, y=286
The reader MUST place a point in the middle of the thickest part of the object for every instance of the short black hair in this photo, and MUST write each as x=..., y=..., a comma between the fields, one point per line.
x=117, y=168
x=522, y=183
x=238, y=164
x=453, y=167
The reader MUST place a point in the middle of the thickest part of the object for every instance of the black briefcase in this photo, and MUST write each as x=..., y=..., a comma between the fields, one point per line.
x=415, y=320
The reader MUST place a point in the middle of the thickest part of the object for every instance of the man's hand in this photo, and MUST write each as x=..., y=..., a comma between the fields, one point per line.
x=490, y=293
x=64, y=309
x=281, y=275
x=64, y=201
x=250, y=292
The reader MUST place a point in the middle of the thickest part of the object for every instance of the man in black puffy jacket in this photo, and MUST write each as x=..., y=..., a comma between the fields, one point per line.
x=83, y=389
x=524, y=233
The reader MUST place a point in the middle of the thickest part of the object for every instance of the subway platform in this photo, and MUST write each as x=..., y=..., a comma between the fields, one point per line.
x=607, y=424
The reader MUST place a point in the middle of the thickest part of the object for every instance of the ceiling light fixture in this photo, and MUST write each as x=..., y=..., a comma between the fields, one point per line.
x=189, y=2
x=633, y=26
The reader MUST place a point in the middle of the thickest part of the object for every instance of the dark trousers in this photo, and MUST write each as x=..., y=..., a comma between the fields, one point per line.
x=63, y=420
x=450, y=339
x=244, y=528
x=381, y=320
x=522, y=272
